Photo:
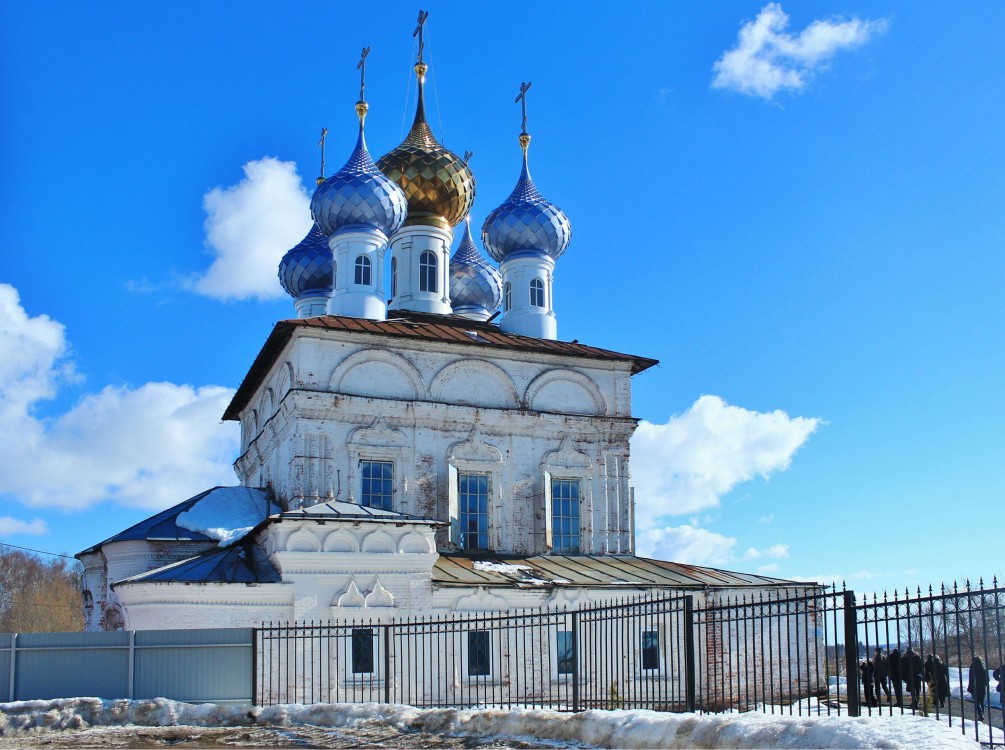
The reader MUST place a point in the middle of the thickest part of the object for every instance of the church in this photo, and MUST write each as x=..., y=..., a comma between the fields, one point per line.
x=418, y=440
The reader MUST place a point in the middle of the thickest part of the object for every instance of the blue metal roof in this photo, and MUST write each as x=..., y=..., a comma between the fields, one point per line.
x=163, y=526
x=244, y=562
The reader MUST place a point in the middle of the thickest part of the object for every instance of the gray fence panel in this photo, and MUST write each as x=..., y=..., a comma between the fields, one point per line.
x=194, y=665
x=6, y=639
x=71, y=665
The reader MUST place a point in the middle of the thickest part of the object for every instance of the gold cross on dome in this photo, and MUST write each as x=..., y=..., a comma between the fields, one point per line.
x=361, y=67
x=522, y=98
x=423, y=15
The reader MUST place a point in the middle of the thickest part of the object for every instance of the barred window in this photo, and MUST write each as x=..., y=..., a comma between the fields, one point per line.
x=565, y=515
x=473, y=495
x=565, y=653
x=362, y=651
x=377, y=484
x=507, y=297
x=479, y=653
x=650, y=649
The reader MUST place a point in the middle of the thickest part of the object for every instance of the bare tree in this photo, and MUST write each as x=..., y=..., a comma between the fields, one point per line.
x=38, y=595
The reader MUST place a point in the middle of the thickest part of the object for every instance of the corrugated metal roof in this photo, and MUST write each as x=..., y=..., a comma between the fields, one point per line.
x=602, y=571
x=242, y=563
x=421, y=326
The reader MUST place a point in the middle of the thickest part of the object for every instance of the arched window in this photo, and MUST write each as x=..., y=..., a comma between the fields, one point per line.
x=363, y=270
x=537, y=293
x=394, y=277
x=334, y=274
x=507, y=297
x=427, y=272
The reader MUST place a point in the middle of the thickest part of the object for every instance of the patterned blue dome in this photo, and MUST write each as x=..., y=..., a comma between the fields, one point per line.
x=359, y=195
x=475, y=284
x=306, y=270
x=526, y=223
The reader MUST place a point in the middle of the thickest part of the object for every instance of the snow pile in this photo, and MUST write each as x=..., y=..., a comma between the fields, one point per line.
x=522, y=573
x=625, y=729
x=227, y=513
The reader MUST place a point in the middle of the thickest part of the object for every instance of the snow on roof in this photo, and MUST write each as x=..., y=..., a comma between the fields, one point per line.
x=227, y=513
x=240, y=563
x=336, y=509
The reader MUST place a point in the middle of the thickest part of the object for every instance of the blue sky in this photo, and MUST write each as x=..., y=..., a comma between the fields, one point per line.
x=796, y=208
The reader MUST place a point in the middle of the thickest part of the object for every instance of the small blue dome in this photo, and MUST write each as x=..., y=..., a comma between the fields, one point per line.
x=306, y=270
x=526, y=223
x=475, y=284
x=359, y=195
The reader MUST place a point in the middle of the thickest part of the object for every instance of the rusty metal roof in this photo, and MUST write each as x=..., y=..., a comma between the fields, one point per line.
x=417, y=326
x=595, y=571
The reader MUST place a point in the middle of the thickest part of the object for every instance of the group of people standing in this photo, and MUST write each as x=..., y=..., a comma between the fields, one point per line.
x=899, y=669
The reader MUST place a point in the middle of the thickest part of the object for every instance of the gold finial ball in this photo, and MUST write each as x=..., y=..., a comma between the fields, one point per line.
x=524, y=140
x=320, y=180
x=420, y=69
x=361, y=109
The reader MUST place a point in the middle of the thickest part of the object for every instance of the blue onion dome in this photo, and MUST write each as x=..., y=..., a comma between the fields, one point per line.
x=475, y=284
x=306, y=270
x=359, y=195
x=438, y=184
x=526, y=223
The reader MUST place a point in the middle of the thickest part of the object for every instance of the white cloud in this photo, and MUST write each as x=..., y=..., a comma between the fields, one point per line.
x=689, y=463
x=687, y=544
x=776, y=551
x=10, y=526
x=148, y=446
x=249, y=227
x=767, y=59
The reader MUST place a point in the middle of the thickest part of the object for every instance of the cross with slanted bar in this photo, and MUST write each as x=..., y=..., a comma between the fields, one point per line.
x=361, y=67
x=321, y=143
x=522, y=98
x=423, y=15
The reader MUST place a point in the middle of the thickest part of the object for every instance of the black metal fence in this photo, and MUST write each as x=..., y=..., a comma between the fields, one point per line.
x=806, y=650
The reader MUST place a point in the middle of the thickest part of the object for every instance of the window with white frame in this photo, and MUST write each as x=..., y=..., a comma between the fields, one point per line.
x=394, y=277
x=479, y=653
x=565, y=516
x=427, y=272
x=473, y=498
x=362, y=651
x=376, y=484
x=565, y=653
x=537, y=293
x=362, y=270
x=507, y=297
x=650, y=649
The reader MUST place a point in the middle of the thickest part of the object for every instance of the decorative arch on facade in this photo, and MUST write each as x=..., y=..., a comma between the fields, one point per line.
x=565, y=391
x=351, y=598
x=415, y=544
x=267, y=406
x=568, y=599
x=378, y=543
x=378, y=435
x=379, y=596
x=303, y=541
x=341, y=542
x=375, y=373
x=475, y=382
x=284, y=381
x=480, y=601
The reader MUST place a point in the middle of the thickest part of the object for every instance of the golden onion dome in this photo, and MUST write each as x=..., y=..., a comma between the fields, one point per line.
x=438, y=184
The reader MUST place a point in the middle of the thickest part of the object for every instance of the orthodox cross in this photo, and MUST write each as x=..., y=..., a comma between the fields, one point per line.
x=321, y=143
x=361, y=67
x=467, y=157
x=423, y=15
x=522, y=98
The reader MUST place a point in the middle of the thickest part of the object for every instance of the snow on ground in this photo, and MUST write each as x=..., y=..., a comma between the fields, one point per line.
x=226, y=513
x=606, y=729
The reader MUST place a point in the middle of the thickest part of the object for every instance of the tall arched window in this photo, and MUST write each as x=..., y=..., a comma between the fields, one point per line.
x=334, y=274
x=394, y=277
x=537, y=293
x=427, y=272
x=507, y=297
x=363, y=270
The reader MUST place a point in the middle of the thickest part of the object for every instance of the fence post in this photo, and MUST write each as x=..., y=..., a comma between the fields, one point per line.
x=387, y=663
x=575, y=661
x=13, y=667
x=851, y=652
x=254, y=667
x=689, y=674
x=132, y=664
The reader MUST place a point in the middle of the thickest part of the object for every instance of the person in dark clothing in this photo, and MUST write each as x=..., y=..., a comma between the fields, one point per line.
x=868, y=672
x=941, y=682
x=881, y=673
x=898, y=685
x=929, y=669
x=977, y=686
x=999, y=674
x=912, y=669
